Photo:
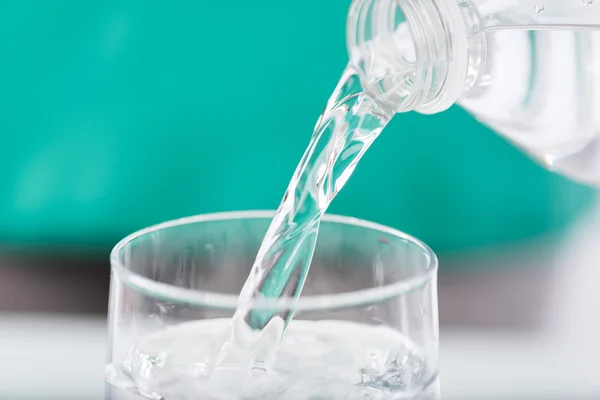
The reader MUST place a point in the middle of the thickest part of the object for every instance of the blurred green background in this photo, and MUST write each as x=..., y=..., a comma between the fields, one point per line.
x=120, y=114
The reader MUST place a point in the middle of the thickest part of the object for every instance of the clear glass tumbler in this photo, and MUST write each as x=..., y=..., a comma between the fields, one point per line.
x=365, y=327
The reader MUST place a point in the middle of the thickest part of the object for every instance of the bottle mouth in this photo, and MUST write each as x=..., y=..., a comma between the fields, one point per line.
x=410, y=54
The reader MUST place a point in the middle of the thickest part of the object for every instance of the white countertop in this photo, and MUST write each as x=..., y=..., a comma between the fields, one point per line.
x=63, y=358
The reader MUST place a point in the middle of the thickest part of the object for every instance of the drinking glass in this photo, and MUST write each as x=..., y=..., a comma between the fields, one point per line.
x=365, y=326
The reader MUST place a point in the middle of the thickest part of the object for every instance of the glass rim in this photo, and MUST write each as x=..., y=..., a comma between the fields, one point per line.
x=213, y=300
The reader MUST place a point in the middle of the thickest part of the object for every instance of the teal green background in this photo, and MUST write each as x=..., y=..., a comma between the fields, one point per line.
x=119, y=114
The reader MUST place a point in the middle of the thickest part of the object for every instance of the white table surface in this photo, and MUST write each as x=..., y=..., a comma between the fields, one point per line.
x=62, y=358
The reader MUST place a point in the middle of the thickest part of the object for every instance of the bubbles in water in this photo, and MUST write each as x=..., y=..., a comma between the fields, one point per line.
x=588, y=2
x=324, y=360
x=539, y=8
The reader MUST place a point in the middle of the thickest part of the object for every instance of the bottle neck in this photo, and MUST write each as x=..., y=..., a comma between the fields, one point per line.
x=415, y=54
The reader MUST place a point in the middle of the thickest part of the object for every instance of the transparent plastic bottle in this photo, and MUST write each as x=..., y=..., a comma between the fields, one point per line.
x=528, y=69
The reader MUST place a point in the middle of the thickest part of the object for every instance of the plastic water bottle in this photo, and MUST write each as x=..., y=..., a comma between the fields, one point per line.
x=528, y=69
